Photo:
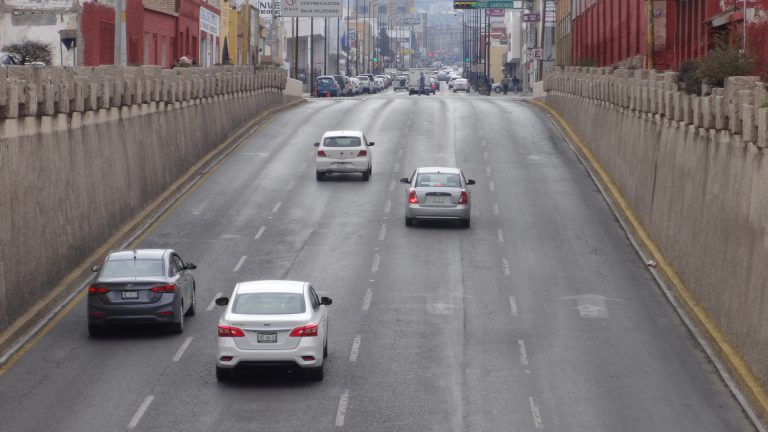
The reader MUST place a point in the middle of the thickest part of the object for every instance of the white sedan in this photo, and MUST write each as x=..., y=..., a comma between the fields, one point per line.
x=340, y=152
x=273, y=323
x=460, y=84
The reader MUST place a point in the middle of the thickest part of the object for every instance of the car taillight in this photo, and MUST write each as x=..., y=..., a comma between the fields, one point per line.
x=464, y=198
x=412, y=198
x=321, y=153
x=362, y=153
x=304, y=331
x=96, y=290
x=164, y=289
x=229, y=331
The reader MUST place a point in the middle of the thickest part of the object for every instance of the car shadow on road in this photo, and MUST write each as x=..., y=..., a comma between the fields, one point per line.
x=134, y=332
x=269, y=378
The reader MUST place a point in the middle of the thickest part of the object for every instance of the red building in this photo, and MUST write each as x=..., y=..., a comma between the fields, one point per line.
x=97, y=27
x=188, y=28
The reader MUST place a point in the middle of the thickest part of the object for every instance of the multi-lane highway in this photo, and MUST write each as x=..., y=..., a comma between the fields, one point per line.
x=541, y=316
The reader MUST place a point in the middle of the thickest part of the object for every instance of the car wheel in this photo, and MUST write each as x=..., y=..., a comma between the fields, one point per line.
x=319, y=175
x=178, y=327
x=465, y=223
x=367, y=174
x=315, y=374
x=94, y=330
x=223, y=375
x=191, y=311
x=408, y=221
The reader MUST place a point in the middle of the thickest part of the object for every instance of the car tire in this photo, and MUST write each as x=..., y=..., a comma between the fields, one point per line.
x=94, y=330
x=367, y=174
x=408, y=221
x=223, y=375
x=319, y=176
x=191, y=311
x=178, y=327
x=325, y=350
x=465, y=223
x=316, y=374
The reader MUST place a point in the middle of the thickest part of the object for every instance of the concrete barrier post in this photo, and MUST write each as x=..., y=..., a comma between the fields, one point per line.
x=762, y=127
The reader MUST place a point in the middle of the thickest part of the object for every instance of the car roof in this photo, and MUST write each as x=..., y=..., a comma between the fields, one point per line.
x=435, y=170
x=142, y=254
x=261, y=286
x=344, y=133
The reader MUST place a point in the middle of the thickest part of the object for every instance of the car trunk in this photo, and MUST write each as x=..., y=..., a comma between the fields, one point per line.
x=265, y=332
x=438, y=197
x=129, y=290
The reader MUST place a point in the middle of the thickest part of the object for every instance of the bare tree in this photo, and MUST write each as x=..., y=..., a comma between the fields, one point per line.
x=31, y=51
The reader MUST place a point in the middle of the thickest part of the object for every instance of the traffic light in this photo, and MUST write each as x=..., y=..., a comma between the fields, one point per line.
x=375, y=59
x=466, y=59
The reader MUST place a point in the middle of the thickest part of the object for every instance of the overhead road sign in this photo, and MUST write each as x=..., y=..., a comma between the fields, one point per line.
x=312, y=8
x=492, y=4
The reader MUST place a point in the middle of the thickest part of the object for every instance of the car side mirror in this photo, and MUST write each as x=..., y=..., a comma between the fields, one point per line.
x=405, y=180
x=95, y=268
x=470, y=182
x=222, y=301
x=370, y=143
x=190, y=266
x=316, y=144
x=326, y=301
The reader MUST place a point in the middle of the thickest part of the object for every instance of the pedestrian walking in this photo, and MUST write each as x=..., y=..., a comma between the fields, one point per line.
x=516, y=84
x=505, y=84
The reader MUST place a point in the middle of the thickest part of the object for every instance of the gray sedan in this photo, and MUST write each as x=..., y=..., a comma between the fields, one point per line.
x=438, y=193
x=144, y=286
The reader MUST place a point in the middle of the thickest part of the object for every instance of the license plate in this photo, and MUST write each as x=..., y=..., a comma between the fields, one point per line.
x=437, y=200
x=266, y=337
x=130, y=295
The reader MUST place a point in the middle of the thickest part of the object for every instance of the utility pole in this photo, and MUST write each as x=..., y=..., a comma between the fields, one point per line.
x=296, y=48
x=120, y=57
x=650, y=36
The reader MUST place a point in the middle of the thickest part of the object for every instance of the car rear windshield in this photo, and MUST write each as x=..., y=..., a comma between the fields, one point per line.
x=341, y=142
x=363, y=78
x=438, y=180
x=269, y=304
x=325, y=80
x=133, y=268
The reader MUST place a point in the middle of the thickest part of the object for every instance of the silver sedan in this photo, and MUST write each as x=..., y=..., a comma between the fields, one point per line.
x=438, y=193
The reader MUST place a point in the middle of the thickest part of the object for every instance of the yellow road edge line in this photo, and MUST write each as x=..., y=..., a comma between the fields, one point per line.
x=736, y=363
x=61, y=288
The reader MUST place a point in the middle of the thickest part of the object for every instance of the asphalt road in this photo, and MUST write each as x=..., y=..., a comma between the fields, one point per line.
x=539, y=317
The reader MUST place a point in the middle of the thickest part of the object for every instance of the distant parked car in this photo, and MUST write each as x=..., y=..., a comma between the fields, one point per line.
x=327, y=86
x=9, y=58
x=366, y=85
x=401, y=83
x=356, y=88
x=143, y=286
x=342, y=84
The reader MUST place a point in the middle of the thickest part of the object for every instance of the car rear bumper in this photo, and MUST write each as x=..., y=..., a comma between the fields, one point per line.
x=308, y=346
x=342, y=166
x=416, y=211
x=154, y=313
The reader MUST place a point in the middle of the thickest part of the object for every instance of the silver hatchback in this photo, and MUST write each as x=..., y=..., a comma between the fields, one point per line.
x=438, y=193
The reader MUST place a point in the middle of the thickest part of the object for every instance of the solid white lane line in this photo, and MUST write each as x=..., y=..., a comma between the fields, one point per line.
x=382, y=232
x=513, y=305
x=182, y=348
x=387, y=207
x=501, y=235
x=259, y=233
x=355, y=348
x=367, y=300
x=277, y=207
x=507, y=270
x=538, y=424
x=496, y=209
x=523, y=355
x=396, y=168
x=491, y=186
x=392, y=185
x=375, y=263
x=213, y=302
x=140, y=412
x=240, y=263
x=342, y=411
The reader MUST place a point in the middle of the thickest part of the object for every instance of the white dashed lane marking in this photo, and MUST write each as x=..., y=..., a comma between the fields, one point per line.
x=259, y=233
x=523, y=355
x=491, y=186
x=507, y=269
x=213, y=302
x=355, y=348
x=140, y=412
x=395, y=169
x=182, y=348
x=538, y=424
x=342, y=411
x=496, y=209
x=277, y=207
x=367, y=300
x=501, y=235
x=382, y=232
x=375, y=263
x=387, y=207
x=240, y=263
x=513, y=305
x=392, y=185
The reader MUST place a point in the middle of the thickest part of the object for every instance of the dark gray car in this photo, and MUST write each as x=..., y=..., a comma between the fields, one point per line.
x=144, y=286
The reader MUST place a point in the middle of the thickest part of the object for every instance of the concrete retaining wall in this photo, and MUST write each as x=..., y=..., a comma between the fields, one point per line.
x=694, y=170
x=83, y=150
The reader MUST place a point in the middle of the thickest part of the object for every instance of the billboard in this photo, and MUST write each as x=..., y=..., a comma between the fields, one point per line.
x=312, y=8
